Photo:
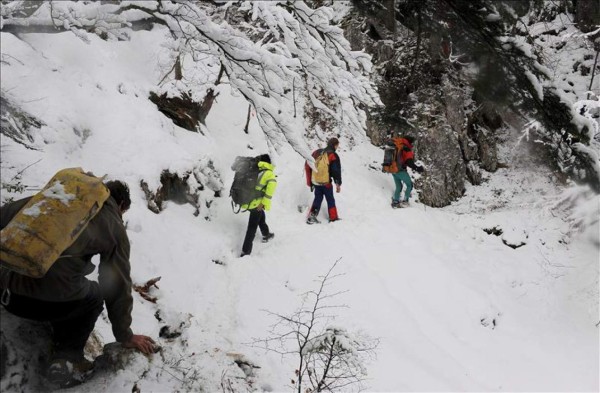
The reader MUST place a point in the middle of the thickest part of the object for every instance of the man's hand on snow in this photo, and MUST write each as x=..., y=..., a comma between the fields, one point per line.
x=338, y=188
x=142, y=343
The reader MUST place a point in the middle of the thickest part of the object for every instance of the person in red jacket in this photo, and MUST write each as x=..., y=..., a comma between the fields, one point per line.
x=325, y=189
x=405, y=158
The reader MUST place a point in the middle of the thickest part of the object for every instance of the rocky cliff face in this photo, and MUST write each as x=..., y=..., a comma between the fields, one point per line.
x=444, y=76
x=454, y=138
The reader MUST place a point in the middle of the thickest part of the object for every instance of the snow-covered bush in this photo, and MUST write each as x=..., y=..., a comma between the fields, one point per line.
x=329, y=357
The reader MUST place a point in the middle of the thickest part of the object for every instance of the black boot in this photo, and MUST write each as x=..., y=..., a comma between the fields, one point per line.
x=268, y=237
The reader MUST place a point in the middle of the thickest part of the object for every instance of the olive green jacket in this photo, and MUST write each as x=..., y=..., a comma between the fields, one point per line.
x=65, y=280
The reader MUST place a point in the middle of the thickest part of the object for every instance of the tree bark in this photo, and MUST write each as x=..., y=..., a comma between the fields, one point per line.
x=206, y=105
x=248, y=118
x=593, y=74
x=178, y=70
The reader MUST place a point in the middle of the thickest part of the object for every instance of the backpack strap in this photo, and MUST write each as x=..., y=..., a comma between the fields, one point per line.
x=233, y=204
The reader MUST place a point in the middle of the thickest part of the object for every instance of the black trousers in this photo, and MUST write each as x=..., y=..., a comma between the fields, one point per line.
x=72, y=322
x=257, y=220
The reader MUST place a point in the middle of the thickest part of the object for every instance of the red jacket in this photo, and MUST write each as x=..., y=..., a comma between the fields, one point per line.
x=405, y=156
x=335, y=167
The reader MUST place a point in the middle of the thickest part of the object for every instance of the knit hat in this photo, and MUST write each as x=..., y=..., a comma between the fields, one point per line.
x=265, y=158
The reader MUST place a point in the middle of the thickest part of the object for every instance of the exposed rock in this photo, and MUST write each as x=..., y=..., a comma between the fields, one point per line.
x=496, y=231
x=444, y=181
x=173, y=188
x=168, y=333
x=438, y=146
x=490, y=321
x=185, y=188
x=487, y=149
x=377, y=131
x=456, y=98
x=514, y=238
x=114, y=357
x=482, y=128
x=474, y=173
x=25, y=347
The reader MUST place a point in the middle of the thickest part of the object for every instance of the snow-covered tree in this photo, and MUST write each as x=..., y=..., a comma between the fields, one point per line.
x=300, y=54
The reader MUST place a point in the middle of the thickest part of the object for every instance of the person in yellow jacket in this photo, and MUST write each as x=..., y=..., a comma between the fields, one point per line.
x=267, y=182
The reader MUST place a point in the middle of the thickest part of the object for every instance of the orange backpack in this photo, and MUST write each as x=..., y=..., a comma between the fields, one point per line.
x=390, y=154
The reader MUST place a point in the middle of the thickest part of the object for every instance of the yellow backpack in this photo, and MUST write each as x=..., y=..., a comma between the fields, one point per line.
x=320, y=176
x=51, y=221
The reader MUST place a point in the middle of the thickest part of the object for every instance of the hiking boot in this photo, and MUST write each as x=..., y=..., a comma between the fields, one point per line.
x=66, y=373
x=396, y=204
x=268, y=237
x=404, y=204
x=335, y=219
x=243, y=254
x=312, y=219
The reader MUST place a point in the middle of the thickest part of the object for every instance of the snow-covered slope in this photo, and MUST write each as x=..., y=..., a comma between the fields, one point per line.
x=453, y=307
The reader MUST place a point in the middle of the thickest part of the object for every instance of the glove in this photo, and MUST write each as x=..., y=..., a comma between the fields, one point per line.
x=312, y=188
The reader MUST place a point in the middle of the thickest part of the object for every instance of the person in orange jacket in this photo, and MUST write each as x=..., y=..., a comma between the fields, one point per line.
x=404, y=158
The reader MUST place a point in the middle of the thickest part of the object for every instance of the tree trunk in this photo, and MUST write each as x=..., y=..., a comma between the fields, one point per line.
x=390, y=18
x=248, y=118
x=209, y=99
x=178, y=71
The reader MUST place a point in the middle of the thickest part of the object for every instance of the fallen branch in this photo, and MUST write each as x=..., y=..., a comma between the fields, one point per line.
x=144, y=289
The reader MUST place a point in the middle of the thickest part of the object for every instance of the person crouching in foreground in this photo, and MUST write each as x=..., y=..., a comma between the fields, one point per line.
x=72, y=303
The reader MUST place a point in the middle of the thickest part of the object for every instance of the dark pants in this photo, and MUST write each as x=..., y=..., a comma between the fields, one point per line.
x=257, y=220
x=72, y=322
x=327, y=192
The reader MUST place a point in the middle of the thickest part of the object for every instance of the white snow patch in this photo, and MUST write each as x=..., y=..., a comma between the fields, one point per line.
x=35, y=210
x=57, y=191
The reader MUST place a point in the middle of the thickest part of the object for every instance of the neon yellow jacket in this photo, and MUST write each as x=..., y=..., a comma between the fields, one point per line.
x=267, y=182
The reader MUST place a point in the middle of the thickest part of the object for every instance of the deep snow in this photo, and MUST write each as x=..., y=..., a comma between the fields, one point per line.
x=454, y=308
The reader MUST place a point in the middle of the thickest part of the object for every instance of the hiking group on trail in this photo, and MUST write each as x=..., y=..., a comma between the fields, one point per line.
x=254, y=183
x=49, y=239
